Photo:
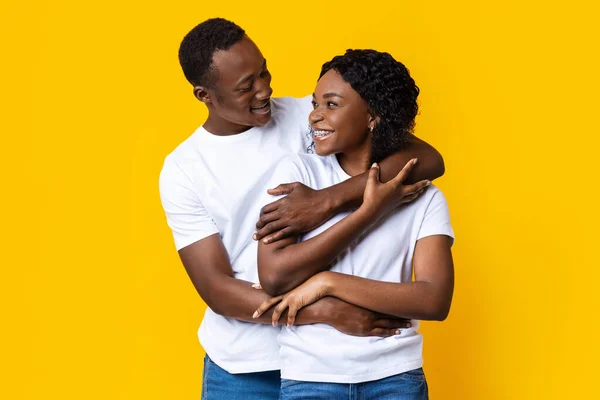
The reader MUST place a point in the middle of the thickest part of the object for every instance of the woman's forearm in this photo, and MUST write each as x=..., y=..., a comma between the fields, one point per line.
x=286, y=264
x=416, y=300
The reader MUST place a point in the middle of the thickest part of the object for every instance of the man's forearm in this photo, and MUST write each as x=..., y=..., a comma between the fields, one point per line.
x=348, y=195
x=235, y=298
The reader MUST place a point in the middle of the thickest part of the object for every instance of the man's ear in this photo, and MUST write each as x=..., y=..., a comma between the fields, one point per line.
x=202, y=94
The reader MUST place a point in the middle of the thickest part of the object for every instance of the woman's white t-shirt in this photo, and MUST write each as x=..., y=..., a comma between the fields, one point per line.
x=319, y=352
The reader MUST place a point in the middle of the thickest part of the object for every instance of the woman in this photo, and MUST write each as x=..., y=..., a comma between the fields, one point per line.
x=364, y=105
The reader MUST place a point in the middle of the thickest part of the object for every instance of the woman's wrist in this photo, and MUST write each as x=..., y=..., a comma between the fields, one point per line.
x=326, y=280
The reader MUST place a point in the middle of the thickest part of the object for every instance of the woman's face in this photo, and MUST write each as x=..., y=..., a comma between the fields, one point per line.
x=340, y=118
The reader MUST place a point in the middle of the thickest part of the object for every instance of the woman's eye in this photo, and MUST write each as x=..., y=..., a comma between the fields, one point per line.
x=331, y=104
x=314, y=104
x=246, y=89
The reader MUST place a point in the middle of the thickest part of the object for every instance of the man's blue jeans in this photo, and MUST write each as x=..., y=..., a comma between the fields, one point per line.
x=410, y=385
x=218, y=384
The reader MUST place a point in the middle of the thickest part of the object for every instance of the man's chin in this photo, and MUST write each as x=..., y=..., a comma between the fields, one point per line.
x=260, y=120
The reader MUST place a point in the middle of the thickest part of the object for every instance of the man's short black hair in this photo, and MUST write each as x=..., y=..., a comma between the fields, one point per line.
x=200, y=44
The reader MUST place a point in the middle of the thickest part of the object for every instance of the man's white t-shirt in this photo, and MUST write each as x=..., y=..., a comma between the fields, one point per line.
x=215, y=184
x=319, y=352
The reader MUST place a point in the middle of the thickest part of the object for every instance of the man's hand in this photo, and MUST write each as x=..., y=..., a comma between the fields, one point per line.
x=357, y=321
x=352, y=320
x=302, y=210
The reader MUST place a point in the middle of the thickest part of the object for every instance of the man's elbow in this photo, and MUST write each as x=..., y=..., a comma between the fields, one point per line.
x=438, y=311
x=437, y=168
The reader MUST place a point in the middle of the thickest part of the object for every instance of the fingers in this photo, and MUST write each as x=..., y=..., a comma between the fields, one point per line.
x=415, y=187
x=284, y=188
x=393, y=323
x=402, y=175
x=266, y=213
x=278, y=311
x=266, y=305
x=292, y=315
x=268, y=229
x=410, y=197
x=384, y=332
x=280, y=234
x=374, y=173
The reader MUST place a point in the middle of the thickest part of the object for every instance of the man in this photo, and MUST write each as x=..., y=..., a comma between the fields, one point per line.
x=211, y=186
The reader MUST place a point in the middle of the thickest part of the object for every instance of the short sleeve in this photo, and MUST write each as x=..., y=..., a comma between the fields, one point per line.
x=287, y=171
x=186, y=215
x=436, y=220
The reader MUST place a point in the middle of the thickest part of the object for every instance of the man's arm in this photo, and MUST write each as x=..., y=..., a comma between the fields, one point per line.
x=427, y=298
x=207, y=264
x=303, y=209
x=285, y=264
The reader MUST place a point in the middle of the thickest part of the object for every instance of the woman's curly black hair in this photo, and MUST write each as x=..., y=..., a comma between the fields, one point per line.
x=390, y=92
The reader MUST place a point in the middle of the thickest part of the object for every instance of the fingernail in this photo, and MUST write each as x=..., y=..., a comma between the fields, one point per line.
x=254, y=237
x=409, y=325
x=414, y=161
x=274, y=324
x=374, y=165
x=255, y=314
x=427, y=183
x=266, y=241
x=398, y=331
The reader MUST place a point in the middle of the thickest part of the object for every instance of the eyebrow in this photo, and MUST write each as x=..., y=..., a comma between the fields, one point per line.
x=249, y=77
x=327, y=95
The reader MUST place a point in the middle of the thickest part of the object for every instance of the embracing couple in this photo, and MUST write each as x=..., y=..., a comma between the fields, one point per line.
x=321, y=298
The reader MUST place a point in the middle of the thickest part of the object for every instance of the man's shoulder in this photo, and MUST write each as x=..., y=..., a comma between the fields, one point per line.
x=298, y=107
x=289, y=101
x=187, y=149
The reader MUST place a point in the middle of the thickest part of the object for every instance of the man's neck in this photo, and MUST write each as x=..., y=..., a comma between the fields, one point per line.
x=224, y=128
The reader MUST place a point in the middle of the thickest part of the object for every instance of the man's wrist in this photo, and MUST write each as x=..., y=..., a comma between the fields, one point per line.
x=331, y=200
x=323, y=310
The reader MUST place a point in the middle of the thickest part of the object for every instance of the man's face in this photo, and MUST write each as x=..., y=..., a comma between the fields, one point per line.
x=241, y=97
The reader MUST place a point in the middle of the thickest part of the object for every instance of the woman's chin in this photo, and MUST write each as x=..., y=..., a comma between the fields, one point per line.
x=322, y=150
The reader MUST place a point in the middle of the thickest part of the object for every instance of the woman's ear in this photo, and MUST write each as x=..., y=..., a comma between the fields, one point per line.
x=373, y=121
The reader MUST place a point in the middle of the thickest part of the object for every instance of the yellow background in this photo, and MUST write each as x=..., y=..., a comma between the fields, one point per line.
x=95, y=303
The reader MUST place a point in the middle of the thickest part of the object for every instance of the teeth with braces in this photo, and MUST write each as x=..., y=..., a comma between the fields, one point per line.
x=321, y=133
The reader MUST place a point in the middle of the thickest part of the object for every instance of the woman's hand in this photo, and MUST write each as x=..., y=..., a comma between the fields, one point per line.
x=381, y=198
x=309, y=292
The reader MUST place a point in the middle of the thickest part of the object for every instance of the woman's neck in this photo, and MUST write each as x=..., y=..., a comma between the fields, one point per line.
x=354, y=163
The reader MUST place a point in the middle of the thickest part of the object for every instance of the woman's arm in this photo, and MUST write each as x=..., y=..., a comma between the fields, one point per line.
x=285, y=264
x=303, y=209
x=427, y=298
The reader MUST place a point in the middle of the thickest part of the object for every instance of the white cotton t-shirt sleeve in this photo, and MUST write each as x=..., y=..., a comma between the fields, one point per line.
x=186, y=215
x=436, y=220
x=289, y=170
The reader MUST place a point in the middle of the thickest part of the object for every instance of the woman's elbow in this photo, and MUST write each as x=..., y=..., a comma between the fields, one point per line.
x=272, y=283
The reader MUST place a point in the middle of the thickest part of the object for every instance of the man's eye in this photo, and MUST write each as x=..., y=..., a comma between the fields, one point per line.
x=331, y=104
x=315, y=105
x=246, y=89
